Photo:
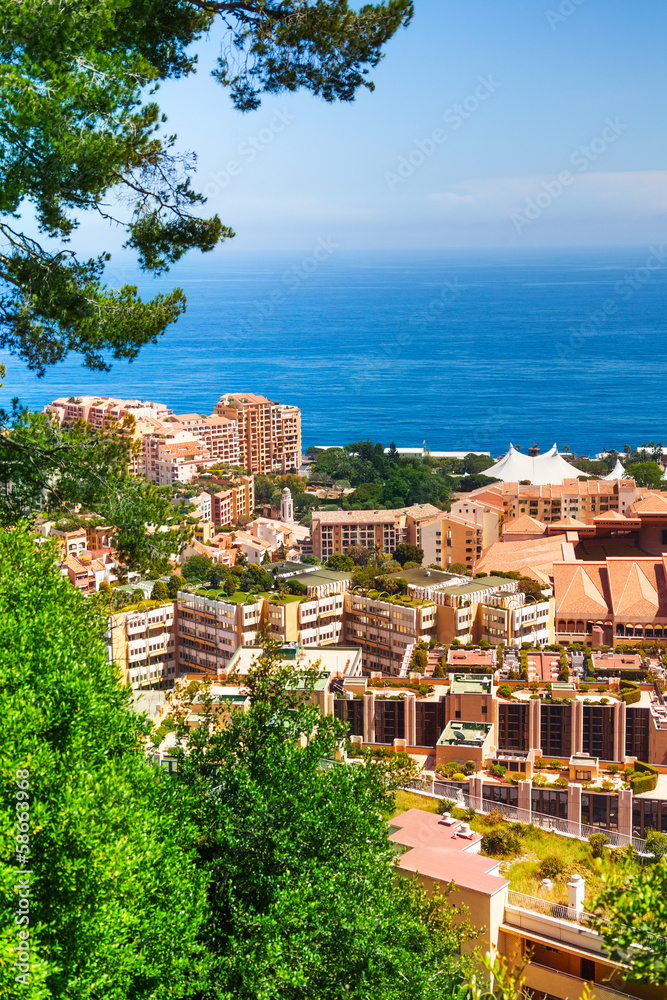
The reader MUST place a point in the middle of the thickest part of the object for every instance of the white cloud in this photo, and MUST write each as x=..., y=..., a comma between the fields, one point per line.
x=622, y=196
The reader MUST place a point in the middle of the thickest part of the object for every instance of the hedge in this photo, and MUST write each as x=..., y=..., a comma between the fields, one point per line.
x=644, y=784
x=625, y=675
x=630, y=693
x=640, y=766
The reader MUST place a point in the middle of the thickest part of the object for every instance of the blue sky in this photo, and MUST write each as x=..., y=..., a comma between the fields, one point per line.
x=532, y=123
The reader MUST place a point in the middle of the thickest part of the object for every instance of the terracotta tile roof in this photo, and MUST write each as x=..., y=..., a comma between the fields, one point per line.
x=653, y=503
x=570, y=487
x=626, y=588
x=580, y=589
x=534, y=557
x=419, y=510
x=523, y=525
x=611, y=515
x=355, y=516
x=569, y=522
x=637, y=588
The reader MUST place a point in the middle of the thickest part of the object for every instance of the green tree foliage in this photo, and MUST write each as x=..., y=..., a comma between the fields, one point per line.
x=474, y=482
x=340, y=563
x=160, y=591
x=254, y=578
x=632, y=909
x=645, y=474
x=106, y=828
x=420, y=660
x=405, y=552
x=531, y=587
x=44, y=466
x=255, y=873
x=303, y=892
x=196, y=568
x=81, y=131
x=175, y=583
x=383, y=480
x=458, y=568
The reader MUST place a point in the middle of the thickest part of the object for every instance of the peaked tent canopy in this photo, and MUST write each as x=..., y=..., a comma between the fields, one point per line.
x=549, y=469
x=618, y=472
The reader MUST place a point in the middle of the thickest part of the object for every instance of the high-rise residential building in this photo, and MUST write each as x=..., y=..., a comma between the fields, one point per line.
x=231, y=500
x=174, y=456
x=219, y=434
x=269, y=432
x=143, y=644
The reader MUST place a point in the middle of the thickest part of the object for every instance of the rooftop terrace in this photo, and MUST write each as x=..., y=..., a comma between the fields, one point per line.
x=466, y=684
x=465, y=734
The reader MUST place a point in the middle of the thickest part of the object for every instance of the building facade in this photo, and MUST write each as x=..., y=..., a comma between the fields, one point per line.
x=335, y=531
x=269, y=432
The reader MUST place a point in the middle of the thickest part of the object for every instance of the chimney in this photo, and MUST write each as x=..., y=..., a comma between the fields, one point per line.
x=534, y=450
x=575, y=893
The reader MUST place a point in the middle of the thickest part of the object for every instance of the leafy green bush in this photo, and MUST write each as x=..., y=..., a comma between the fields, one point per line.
x=470, y=767
x=445, y=806
x=497, y=770
x=612, y=768
x=504, y=691
x=540, y=763
x=656, y=844
x=459, y=776
x=551, y=866
x=500, y=843
x=597, y=842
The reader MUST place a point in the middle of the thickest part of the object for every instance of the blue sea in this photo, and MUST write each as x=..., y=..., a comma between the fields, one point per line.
x=465, y=349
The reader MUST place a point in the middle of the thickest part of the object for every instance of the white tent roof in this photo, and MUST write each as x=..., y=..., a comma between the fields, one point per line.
x=549, y=469
x=618, y=472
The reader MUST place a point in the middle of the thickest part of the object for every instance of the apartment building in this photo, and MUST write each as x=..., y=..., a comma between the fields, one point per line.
x=335, y=531
x=387, y=628
x=447, y=539
x=143, y=644
x=235, y=499
x=582, y=500
x=490, y=608
x=217, y=433
x=209, y=631
x=100, y=411
x=269, y=433
x=174, y=456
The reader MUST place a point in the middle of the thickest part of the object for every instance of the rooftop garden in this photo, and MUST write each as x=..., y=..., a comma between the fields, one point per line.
x=528, y=854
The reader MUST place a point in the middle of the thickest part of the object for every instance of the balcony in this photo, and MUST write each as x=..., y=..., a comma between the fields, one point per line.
x=560, y=984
